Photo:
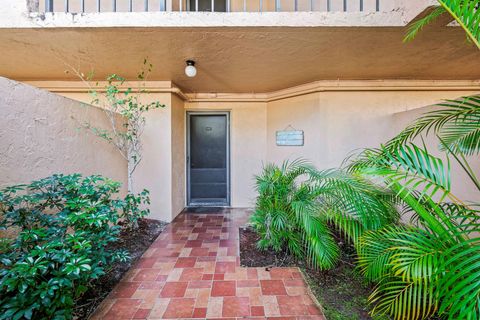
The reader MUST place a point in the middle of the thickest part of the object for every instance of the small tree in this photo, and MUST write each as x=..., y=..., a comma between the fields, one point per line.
x=125, y=111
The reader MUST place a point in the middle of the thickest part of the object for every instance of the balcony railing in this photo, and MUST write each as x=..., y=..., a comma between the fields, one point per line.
x=89, y=6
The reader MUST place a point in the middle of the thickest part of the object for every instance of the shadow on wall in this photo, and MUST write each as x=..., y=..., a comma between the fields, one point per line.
x=41, y=134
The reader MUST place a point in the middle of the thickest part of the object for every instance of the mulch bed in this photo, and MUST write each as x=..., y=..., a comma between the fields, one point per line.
x=136, y=243
x=341, y=291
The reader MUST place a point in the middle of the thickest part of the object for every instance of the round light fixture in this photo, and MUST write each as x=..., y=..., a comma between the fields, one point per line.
x=190, y=69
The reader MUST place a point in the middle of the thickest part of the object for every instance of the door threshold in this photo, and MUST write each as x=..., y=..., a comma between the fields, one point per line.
x=204, y=209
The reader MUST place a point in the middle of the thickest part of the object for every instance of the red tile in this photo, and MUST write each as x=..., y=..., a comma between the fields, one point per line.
x=204, y=236
x=208, y=276
x=123, y=309
x=188, y=262
x=257, y=311
x=203, y=259
x=247, y=283
x=200, y=284
x=292, y=306
x=147, y=275
x=179, y=308
x=173, y=290
x=145, y=263
x=199, y=252
x=223, y=288
x=150, y=285
x=281, y=273
x=225, y=267
x=125, y=289
x=228, y=243
x=294, y=283
x=252, y=273
x=190, y=274
x=218, y=276
x=314, y=310
x=162, y=277
x=273, y=287
x=199, y=313
x=193, y=244
x=232, y=251
x=236, y=307
x=141, y=314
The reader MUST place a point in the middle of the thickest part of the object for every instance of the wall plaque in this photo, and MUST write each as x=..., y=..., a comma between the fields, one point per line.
x=290, y=138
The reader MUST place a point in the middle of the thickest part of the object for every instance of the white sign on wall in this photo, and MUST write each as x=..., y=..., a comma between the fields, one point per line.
x=290, y=138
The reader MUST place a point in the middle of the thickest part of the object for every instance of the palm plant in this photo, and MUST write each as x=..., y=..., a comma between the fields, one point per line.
x=465, y=12
x=296, y=203
x=432, y=265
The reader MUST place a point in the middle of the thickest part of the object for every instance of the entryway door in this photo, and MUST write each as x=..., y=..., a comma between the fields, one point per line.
x=208, y=159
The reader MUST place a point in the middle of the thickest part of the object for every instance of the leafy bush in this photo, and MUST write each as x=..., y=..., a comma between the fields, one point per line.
x=430, y=267
x=296, y=203
x=64, y=225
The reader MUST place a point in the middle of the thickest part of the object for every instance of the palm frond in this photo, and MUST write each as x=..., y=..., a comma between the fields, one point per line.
x=374, y=250
x=417, y=26
x=404, y=300
x=404, y=263
x=467, y=14
x=463, y=136
x=460, y=285
x=409, y=165
x=463, y=111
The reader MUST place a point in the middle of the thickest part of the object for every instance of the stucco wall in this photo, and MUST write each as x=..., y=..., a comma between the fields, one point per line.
x=178, y=155
x=40, y=136
x=161, y=170
x=335, y=124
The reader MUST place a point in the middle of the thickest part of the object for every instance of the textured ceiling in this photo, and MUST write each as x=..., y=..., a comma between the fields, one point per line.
x=239, y=59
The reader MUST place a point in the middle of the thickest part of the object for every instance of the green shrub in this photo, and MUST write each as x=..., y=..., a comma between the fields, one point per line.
x=296, y=203
x=429, y=267
x=64, y=225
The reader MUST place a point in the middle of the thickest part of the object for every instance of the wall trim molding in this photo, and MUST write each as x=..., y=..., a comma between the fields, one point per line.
x=81, y=87
x=304, y=89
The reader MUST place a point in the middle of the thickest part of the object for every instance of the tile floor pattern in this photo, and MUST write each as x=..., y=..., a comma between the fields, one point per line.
x=192, y=271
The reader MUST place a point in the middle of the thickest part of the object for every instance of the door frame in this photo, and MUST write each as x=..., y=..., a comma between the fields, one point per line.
x=187, y=156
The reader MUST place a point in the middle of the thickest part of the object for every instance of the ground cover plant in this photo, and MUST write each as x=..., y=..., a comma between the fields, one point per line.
x=64, y=228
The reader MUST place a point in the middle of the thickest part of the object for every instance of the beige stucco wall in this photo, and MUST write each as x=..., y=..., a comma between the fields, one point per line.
x=162, y=169
x=335, y=124
x=178, y=155
x=40, y=136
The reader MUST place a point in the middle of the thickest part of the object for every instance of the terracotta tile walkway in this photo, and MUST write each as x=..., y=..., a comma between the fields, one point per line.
x=193, y=271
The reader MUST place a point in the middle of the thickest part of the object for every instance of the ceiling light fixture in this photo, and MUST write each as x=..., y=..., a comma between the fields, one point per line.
x=190, y=69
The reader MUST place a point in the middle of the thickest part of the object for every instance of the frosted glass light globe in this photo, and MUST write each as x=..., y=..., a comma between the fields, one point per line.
x=190, y=71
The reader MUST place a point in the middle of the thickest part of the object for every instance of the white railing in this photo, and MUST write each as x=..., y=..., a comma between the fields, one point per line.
x=87, y=6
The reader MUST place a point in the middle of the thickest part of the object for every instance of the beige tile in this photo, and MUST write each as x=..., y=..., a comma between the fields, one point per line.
x=214, y=308
x=159, y=308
